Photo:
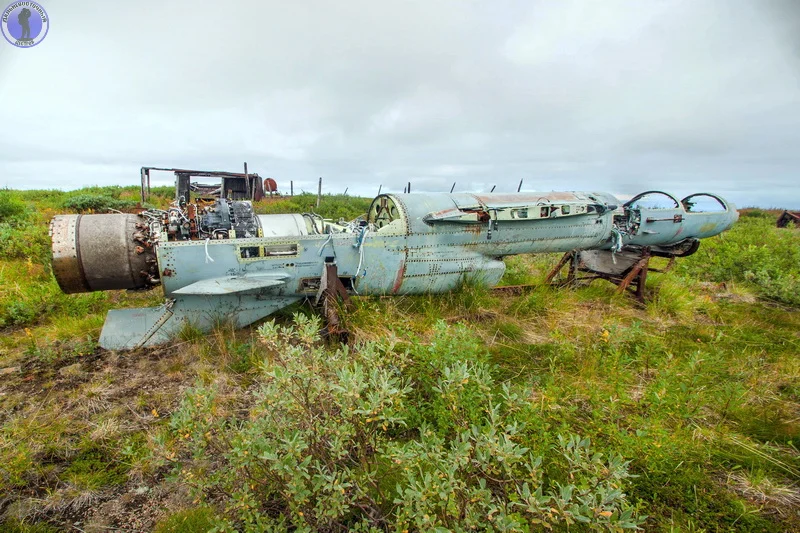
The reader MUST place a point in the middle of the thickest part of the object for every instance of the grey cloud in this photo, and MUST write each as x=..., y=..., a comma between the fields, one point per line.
x=614, y=95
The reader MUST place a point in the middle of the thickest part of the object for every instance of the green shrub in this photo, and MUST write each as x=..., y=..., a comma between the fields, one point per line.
x=325, y=445
x=11, y=207
x=83, y=203
x=754, y=251
x=23, y=240
x=332, y=207
x=447, y=394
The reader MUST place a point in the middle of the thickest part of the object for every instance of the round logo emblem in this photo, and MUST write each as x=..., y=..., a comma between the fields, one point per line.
x=24, y=23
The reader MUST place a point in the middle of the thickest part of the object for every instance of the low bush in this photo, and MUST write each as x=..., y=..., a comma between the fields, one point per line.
x=326, y=445
x=23, y=239
x=11, y=207
x=332, y=207
x=86, y=203
x=754, y=251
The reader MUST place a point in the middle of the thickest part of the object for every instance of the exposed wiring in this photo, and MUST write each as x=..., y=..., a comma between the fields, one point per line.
x=180, y=213
x=616, y=237
x=324, y=244
x=360, y=245
x=208, y=257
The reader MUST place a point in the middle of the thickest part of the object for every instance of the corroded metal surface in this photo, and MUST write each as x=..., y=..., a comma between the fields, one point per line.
x=108, y=252
x=66, y=262
x=789, y=217
x=98, y=253
x=213, y=268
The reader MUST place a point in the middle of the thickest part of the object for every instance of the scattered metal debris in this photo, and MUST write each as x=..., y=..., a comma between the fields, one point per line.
x=233, y=185
x=789, y=217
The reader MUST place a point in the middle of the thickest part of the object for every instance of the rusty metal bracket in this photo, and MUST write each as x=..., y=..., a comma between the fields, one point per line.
x=567, y=257
x=333, y=295
x=635, y=276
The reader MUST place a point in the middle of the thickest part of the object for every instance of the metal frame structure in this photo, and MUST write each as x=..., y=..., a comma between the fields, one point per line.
x=234, y=186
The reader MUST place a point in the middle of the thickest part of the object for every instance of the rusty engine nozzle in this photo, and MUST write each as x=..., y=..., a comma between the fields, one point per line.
x=99, y=253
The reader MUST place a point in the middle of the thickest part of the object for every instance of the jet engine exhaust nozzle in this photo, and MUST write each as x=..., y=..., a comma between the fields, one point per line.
x=99, y=253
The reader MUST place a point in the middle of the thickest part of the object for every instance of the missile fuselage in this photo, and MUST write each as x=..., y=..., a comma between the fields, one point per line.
x=224, y=262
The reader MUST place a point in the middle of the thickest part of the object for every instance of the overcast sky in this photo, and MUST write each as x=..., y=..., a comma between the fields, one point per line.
x=616, y=96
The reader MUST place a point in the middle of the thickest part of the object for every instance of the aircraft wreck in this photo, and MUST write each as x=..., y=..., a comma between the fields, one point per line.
x=224, y=261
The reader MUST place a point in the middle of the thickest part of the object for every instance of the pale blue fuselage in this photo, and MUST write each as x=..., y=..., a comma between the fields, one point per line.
x=409, y=244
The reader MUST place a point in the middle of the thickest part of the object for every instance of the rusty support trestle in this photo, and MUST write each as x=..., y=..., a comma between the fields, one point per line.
x=633, y=279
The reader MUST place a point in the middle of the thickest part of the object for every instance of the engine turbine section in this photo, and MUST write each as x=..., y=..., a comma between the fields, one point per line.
x=102, y=252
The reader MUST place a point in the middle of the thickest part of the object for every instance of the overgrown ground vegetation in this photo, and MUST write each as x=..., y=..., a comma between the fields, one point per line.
x=563, y=409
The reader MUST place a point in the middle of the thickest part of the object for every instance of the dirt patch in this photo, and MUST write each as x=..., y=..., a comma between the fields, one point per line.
x=56, y=409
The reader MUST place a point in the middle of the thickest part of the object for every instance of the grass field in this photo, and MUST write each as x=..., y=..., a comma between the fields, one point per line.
x=555, y=409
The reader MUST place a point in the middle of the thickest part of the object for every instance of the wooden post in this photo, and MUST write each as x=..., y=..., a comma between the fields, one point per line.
x=291, y=188
x=409, y=187
x=319, y=191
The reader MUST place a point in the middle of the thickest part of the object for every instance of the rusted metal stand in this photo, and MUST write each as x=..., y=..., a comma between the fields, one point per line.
x=634, y=278
x=331, y=292
x=789, y=217
x=569, y=257
x=637, y=274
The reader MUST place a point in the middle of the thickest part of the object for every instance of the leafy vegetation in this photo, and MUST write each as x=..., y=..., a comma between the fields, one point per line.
x=91, y=203
x=327, y=445
x=334, y=207
x=573, y=409
x=756, y=253
x=11, y=207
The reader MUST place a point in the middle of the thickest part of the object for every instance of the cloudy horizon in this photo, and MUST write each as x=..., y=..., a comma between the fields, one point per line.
x=615, y=96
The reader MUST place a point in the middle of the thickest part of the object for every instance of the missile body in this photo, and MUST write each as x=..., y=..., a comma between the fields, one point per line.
x=223, y=262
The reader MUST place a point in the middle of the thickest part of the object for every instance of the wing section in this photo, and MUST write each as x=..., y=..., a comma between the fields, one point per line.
x=233, y=284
